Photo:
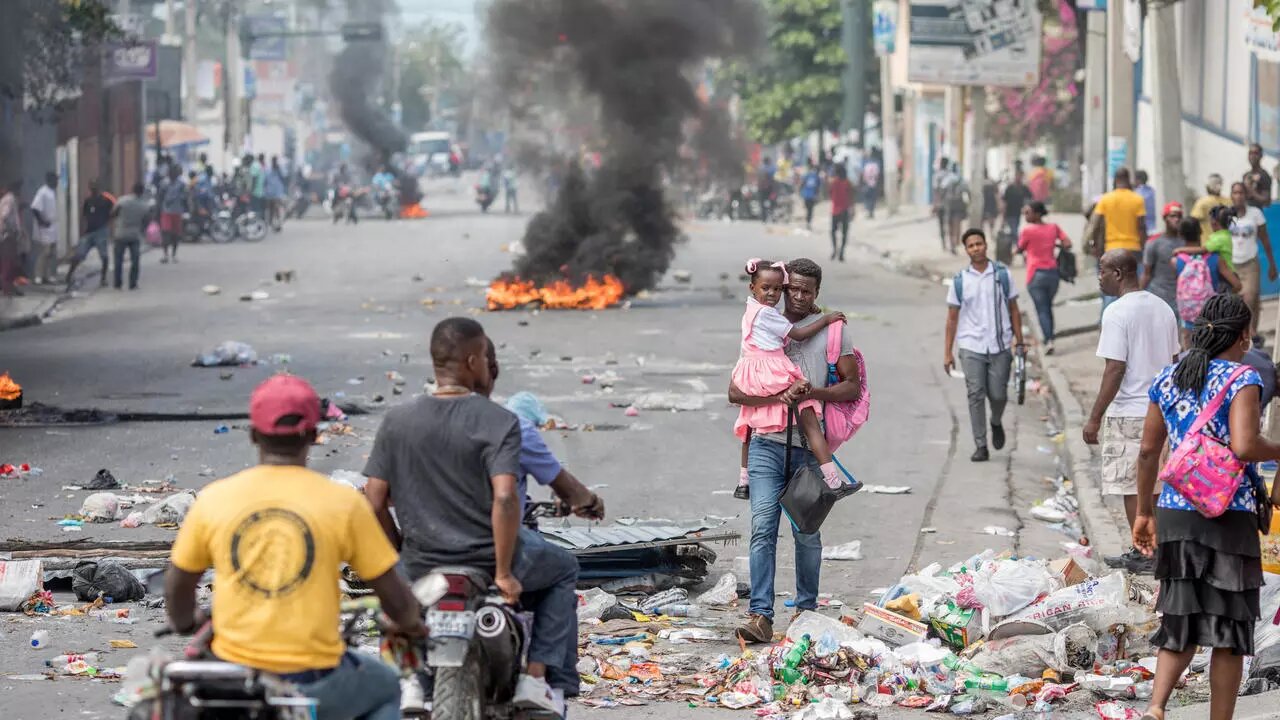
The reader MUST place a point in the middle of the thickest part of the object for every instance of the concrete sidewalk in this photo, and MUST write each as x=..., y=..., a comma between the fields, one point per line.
x=39, y=302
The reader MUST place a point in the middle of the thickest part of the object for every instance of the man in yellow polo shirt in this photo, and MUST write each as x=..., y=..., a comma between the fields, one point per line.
x=1125, y=214
x=276, y=536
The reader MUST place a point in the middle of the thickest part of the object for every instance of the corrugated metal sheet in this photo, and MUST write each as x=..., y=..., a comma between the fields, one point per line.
x=583, y=538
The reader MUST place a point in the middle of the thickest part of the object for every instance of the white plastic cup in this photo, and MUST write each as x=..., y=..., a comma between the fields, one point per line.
x=39, y=639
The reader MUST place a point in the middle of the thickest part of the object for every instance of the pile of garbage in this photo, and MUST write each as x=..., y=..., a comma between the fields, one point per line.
x=995, y=632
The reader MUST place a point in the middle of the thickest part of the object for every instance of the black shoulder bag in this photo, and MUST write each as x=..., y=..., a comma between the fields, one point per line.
x=806, y=499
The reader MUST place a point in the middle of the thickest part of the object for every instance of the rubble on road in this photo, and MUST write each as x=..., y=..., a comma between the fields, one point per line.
x=228, y=353
x=995, y=632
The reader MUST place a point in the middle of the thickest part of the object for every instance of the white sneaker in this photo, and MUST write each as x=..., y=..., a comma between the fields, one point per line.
x=535, y=694
x=412, y=696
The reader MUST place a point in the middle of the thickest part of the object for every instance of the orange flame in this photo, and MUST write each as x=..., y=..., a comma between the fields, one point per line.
x=561, y=294
x=412, y=212
x=9, y=390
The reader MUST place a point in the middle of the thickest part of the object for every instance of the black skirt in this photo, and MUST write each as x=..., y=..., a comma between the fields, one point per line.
x=1209, y=570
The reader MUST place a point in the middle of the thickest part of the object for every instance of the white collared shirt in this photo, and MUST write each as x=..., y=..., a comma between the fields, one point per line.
x=979, y=320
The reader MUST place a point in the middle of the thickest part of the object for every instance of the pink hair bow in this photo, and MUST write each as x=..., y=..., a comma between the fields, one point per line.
x=786, y=279
x=754, y=264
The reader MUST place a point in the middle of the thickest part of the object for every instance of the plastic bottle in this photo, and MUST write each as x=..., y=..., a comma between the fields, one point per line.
x=956, y=665
x=826, y=645
x=989, y=683
x=681, y=610
x=789, y=673
x=59, y=661
x=39, y=639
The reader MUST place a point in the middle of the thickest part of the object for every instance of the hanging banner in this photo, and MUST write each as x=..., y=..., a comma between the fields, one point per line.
x=974, y=42
x=1259, y=37
x=884, y=26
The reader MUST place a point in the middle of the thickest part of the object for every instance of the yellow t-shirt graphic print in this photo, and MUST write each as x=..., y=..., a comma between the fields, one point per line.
x=276, y=537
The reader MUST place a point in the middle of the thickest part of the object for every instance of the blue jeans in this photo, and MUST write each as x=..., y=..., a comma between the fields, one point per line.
x=765, y=465
x=1042, y=288
x=96, y=240
x=549, y=575
x=1013, y=221
x=134, y=247
x=361, y=687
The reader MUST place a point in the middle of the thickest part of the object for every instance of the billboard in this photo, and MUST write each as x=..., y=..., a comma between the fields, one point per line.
x=974, y=42
x=271, y=47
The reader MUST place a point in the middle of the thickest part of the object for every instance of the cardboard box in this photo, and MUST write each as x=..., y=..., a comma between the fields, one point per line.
x=1068, y=571
x=958, y=627
x=889, y=626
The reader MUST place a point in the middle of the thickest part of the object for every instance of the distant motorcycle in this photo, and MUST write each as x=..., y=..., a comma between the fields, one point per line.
x=484, y=197
x=386, y=202
x=235, y=219
x=342, y=203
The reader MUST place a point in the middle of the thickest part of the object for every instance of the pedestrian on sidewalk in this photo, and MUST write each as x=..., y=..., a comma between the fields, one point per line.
x=870, y=184
x=1040, y=241
x=1209, y=569
x=1201, y=273
x=984, y=323
x=955, y=202
x=173, y=202
x=941, y=178
x=1016, y=196
x=95, y=217
x=510, y=200
x=10, y=239
x=131, y=215
x=1139, y=337
x=1211, y=199
x=1248, y=232
x=44, y=209
x=1148, y=193
x=1124, y=216
x=841, y=191
x=765, y=187
x=1041, y=181
x=990, y=204
x=1257, y=181
x=767, y=453
x=810, y=186
x=1159, y=276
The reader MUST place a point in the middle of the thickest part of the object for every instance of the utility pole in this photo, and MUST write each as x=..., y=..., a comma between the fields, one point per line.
x=1119, y=95
x=190, y=62
x=233, y=81
x=1095, y=91
x=889, y=135
x=170, y=23
x=1166, y=101
x=978, y=164
x=855, y=36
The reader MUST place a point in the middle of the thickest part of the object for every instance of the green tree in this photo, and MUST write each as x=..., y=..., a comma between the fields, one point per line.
x=1273, y=9
x=795, y=88
x=433, y=73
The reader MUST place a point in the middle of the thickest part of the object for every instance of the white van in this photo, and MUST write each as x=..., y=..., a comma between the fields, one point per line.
x=429, y=152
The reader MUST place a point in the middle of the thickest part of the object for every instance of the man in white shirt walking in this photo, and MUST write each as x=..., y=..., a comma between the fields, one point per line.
x=44, y=248
x=1139, y=338
x=984, y=323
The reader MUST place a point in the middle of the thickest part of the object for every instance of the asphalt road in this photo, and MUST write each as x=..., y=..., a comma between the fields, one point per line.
x=364, y=298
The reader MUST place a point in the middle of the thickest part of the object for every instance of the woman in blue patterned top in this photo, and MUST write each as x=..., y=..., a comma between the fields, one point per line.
x=1209, y=569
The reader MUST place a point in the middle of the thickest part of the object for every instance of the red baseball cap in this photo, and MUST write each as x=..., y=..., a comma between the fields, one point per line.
x=1171, y=207
x=280, y=398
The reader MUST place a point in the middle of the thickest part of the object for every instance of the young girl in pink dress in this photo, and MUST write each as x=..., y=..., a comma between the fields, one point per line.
x=763, y=369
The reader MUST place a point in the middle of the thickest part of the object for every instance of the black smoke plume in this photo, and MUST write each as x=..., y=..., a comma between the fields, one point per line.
x=637, y=61
x=357, y=71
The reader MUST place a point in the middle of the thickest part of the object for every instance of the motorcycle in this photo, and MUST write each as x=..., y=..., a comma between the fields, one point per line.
x=484, y=197
x=385, y=199
x=237, y=219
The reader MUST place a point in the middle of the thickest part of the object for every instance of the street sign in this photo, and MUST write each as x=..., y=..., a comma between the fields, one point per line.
x=354, y=32
x=884, y=26
x=1091, y=4
x=974, y=42
x=266, y=33
x=131, y=62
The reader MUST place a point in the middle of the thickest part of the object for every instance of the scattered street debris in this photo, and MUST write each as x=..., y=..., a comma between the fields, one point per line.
x=851, y=550
x=227, y=354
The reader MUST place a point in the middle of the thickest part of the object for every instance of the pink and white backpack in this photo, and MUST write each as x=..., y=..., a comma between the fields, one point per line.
x=844, y=419
x=1203, y=469
x=1195, y=286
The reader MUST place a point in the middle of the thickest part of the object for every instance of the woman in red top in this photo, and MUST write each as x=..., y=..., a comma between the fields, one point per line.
x=1039, y=241
x=841, y=191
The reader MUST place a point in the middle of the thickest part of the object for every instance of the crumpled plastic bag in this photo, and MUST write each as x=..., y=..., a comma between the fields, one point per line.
x=19, y=580
x=1266, y=634
x=1008, y=586
x=172, y=509
x=101, y=507
x=1029, y=655
x=103, y=480
x=824, y=709
x=931, y=586
x=851, y=550
x=350, y=478
x=724, y=592
x=1097, y=602
x=108, y=578
x=528, y=406
x=228, y=353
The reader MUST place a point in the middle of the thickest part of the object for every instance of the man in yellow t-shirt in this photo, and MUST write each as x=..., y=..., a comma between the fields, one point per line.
x=276, y=536
x=1213, y=198
x=1125, y=212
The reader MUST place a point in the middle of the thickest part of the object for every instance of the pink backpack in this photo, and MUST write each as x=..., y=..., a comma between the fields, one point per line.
x=1203, y=468
x=842, y=420
x=1195, y=286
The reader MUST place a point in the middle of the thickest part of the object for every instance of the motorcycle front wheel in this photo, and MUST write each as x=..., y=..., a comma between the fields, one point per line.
x=457, y=690
x=222, y=230
x=252, y=228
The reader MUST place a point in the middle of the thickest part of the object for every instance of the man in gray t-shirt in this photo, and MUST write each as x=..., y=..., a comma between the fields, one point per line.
x=1159, y=278
x=767, y=454
x=130, y=215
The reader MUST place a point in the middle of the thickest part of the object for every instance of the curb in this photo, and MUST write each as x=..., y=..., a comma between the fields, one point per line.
x=46, y=309
x=1099, y=523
